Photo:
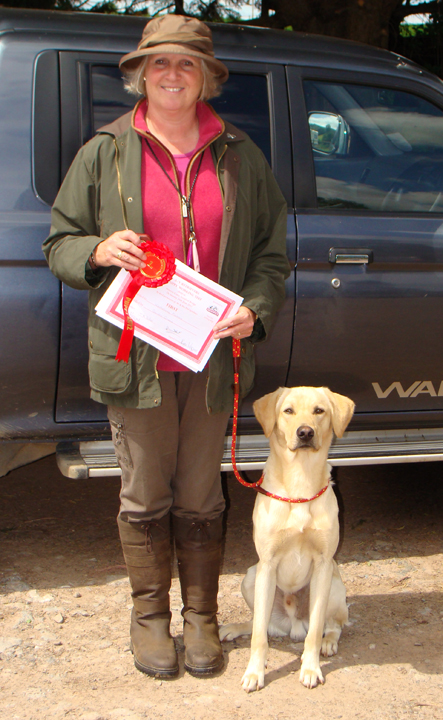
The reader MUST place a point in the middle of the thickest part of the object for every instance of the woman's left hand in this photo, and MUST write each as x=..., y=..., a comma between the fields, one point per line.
x=238, y=326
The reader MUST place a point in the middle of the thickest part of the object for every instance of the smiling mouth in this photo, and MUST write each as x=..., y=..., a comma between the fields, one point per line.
x=172, y=89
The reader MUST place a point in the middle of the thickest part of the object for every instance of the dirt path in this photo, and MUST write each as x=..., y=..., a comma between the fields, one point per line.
x=64, y=608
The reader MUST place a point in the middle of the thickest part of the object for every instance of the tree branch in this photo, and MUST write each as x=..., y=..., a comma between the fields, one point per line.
x=165, y=7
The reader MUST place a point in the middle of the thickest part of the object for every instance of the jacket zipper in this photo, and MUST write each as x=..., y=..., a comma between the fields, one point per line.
x=217, y=172
x=119, y=185
x=156, y=363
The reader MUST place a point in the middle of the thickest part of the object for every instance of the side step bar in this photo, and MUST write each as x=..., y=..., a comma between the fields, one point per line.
x=83, y=460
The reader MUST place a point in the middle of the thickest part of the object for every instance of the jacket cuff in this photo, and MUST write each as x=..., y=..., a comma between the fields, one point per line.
x=95, y=278
x=258, y=333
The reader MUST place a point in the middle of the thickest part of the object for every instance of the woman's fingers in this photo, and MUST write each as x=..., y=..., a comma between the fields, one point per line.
x=120, y=249
x=238, y=326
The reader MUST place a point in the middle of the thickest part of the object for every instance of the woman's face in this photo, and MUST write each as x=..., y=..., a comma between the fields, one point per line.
x=173, y=82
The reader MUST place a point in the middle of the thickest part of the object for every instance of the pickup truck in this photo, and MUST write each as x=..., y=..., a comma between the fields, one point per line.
x=354, y=135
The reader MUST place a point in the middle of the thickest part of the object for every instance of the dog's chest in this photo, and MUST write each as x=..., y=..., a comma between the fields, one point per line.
x=295, y=531
x=295, y=555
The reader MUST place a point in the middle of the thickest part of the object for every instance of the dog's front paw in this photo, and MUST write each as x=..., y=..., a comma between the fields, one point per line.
x=253, y=679
x=310, y=677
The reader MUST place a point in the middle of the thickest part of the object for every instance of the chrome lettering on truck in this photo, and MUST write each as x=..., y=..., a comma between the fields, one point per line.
x=419, y=387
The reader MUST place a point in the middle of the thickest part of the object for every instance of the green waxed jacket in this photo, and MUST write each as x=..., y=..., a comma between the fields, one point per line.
x=101, y=195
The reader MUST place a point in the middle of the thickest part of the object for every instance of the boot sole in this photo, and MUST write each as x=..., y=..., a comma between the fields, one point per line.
x=155, y=672
x=202, y=672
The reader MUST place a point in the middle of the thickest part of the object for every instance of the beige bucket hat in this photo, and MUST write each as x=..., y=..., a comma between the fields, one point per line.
x=176, y=34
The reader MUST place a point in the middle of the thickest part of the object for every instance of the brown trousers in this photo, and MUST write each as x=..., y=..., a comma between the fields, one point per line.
x=170, y=455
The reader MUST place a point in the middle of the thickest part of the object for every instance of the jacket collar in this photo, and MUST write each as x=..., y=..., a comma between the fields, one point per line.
x=230, y=134
x=117, y=127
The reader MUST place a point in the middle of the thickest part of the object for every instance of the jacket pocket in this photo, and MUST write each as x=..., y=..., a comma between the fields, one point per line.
x=108, y=375
x=119, y=438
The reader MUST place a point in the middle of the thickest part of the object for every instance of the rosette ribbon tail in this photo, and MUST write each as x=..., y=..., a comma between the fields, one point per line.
x=124, y=348
x=158, y=270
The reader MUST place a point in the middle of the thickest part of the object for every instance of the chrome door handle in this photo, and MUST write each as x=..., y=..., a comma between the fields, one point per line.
x=350, y=256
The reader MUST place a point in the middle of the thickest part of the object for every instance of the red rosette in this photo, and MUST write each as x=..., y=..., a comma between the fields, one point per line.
x=158, y=270
x=159, y=265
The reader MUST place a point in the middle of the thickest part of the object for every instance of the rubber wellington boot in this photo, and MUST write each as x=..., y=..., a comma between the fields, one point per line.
x=198, y=548
x=147, y=551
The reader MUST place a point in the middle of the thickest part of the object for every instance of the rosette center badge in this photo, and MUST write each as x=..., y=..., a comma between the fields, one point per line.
x=154, y=266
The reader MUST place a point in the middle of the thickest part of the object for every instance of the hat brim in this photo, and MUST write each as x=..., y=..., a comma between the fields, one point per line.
x=132, y=60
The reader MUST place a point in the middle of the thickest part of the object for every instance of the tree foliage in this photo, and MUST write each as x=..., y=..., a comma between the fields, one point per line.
x=376, y=22
x=423, y=44
x=208, y=10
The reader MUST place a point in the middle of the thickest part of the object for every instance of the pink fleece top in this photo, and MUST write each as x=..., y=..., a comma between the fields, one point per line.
x=161, y=203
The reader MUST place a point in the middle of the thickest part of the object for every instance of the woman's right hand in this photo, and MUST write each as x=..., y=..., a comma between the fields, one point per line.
x=120, y=249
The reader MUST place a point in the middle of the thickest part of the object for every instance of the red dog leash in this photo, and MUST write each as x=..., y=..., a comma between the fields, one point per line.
x=236, y=356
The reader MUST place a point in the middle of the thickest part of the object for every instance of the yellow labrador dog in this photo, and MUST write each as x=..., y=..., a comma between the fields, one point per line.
x=296, y=589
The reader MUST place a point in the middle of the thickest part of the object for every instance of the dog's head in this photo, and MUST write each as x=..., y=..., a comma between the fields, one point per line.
x=304, y=417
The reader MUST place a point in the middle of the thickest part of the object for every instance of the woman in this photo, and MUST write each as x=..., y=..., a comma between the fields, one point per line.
x=174, y=170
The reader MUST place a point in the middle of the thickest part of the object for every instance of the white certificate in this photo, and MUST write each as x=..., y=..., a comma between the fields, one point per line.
x=176, y=318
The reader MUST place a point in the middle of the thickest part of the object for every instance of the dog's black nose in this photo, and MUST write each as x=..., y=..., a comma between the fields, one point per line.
x=305, y=432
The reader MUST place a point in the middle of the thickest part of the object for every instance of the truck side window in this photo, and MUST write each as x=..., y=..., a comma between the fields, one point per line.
x=241, y=93
x=109, y=98
x=375, y=148
x=244, y=102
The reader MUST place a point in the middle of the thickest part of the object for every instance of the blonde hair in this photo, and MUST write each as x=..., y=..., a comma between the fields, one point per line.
x=134, y=81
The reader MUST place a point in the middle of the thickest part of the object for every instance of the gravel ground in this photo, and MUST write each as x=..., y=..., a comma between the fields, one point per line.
x=65, y=604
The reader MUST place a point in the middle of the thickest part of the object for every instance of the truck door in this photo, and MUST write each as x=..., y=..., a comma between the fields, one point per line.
x=92, y=95
x=368, y=167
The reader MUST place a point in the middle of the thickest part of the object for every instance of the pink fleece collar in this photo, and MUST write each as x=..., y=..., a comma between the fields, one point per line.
x=210, y=124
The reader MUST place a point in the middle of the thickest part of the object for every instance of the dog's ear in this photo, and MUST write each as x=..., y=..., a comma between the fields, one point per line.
x=342, y=411
x=265, y=409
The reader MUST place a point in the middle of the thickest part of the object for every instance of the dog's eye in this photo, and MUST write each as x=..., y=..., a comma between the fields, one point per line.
x=318, y=411
x=288, y=411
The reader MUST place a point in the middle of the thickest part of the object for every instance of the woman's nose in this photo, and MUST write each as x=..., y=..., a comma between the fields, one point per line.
x=173, y=70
